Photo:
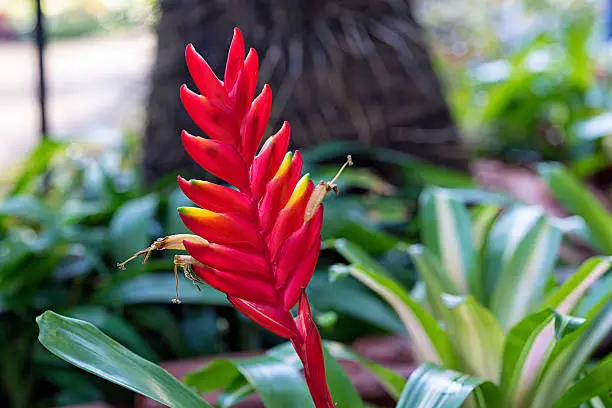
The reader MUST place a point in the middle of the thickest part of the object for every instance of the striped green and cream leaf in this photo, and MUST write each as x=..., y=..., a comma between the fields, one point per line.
x=432, y=274
x=429, y=341
x=571, y=353
x=521, y=253
x=446, y=228
x=483, y=219
x=526, y=347
x=566, y=297
x=358, y=256
x=476, y=336
x=431, y=386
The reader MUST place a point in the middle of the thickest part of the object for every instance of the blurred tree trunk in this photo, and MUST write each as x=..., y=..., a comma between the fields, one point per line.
x=339, y=69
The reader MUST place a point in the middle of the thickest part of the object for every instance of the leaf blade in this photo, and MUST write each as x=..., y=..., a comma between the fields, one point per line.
x=82, y=344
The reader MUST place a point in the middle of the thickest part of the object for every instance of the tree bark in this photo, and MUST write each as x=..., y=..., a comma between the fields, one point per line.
x=342, y=69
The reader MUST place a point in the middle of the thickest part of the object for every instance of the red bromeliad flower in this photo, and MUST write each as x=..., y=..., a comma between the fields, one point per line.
x=258, y=243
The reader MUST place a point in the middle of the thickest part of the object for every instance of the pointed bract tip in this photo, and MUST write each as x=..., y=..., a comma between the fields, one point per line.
x=190, y=49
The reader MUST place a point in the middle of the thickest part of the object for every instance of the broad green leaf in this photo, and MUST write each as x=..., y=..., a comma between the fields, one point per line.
x=483, y=219
x=160, y=320
x=436, y=281
x=447, y=231
x=86, y=347
x=159, y=288
x=340, y=387
x=522, y=251
x=431, y=386
x=565, y=298
x=525, y=350
x=278, y=384
x=430, y=342
x=129, y=228
x=424, y=173
x=596, y=382
x=116, y=327
x=237, y=391
x=342, y=390
x=358, y=256
x=571, y=353
x=476, y=336
x=28, y=208
x=174, y=224
x=36, y=164
x=364, y=305
x=393, y=382
x=579, y=200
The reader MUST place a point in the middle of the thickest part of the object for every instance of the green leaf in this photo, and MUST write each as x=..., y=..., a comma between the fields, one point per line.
x=159, y=288
x=525, y=350
x=579, y=200
x=447, y=232
x=358, y=256
x=522, y=251
x=129, y=228
x=476, y=336
x=36, y=164
x=431, y=386
x=86, y=347
x=430, y=342
x=116, y=326
x=393, y=382
x=482, y=222
x=565, y=298
x=596, y=382
x=174, y=224
x=436, y=281
x=160, y=320
x=363, y=305
x=342, y=390
x=599, y=291
x=278, y=384
x=237, y=391
x=28, y=208
x=571, y=353
x=340, y=387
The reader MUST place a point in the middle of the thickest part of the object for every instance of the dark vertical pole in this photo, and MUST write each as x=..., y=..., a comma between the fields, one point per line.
x=40, y=46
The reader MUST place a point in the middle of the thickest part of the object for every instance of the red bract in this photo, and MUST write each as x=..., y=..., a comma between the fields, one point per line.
x=260, y=242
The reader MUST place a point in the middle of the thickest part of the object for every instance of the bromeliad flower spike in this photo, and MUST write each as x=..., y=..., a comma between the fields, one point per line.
x=258, y=243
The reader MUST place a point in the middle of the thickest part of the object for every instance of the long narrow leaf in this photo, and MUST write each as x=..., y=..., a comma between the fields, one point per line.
x=525, y=350
x=358, y=256
x=571, y=353
x=483, y=219
x=83, y=345
x=393, y=382
x=565, y=298
x=579, y=200
x=430, y=342
x=596, y=382
x=436, y=281
x=447, y=231
x=522, y=251
x=476, y=335
x=431, y=386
